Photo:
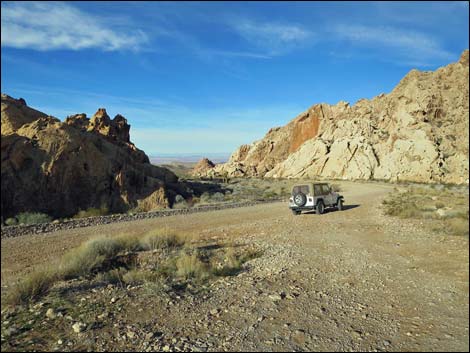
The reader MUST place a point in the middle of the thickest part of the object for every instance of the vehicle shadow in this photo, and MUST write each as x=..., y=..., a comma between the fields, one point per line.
x=329, y=210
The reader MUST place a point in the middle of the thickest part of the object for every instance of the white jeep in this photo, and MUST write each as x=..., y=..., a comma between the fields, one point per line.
x=314, y=196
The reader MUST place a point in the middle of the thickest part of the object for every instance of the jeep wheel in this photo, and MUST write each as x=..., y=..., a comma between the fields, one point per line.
x=300, y=199
x=320, y=207
x=340, y=205
x=296, y=212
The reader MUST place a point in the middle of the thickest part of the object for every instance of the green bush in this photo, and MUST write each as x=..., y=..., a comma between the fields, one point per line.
x=33, y=218
x=11, y=222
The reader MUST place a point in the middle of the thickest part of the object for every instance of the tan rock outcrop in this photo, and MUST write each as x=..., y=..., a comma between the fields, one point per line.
x=418, y=132
x=202, y=167
x=61, y=167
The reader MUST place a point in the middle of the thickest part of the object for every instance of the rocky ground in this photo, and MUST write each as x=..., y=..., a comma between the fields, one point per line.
x=351, y=280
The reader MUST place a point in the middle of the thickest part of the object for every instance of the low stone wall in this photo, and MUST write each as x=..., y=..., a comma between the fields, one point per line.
x=16, y=231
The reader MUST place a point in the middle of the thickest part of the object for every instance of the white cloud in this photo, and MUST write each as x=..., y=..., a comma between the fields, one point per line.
x=57, y=25
x=274, y=37
x=409, y=46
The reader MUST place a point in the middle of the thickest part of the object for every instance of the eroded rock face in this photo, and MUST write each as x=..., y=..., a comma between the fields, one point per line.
x=202, y=167
x=418, y=132
x=61, y=167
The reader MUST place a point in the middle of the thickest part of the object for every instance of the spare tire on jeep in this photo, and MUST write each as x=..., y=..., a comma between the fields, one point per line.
x=300, y=199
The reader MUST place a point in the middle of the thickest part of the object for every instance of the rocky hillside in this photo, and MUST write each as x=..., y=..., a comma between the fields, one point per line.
x=202, y=167
x=60, y=168
x=418, y=132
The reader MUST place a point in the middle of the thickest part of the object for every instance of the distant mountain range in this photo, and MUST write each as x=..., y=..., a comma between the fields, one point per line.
x=189, y=158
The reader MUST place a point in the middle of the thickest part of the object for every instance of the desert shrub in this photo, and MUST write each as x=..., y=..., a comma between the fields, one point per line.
x=33, y=218
x=189, y=266
x=11, y=221
x=135, y=276
x=92, y=212
x=114, y=276
x=180, y=202
x=161, y=239
x=269, y=195
x=205, y=197
x=129, y=242
x=87, y=258
x=33, y=286
x=231, y=266
x=218, y=197
x=457, y=226
x=179, y=199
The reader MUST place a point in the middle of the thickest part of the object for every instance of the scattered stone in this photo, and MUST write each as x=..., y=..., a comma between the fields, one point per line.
x=51, y=313
x=275, y=297
x=78, y=327
x=214, y=312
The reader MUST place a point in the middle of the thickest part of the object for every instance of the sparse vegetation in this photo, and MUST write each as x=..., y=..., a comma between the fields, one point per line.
x=32, y=287
x=33, y=218
x=190, y=266
x=11, y=221
x=161, y=239
x=445, y=207
x=92, y=212
x=115, y=260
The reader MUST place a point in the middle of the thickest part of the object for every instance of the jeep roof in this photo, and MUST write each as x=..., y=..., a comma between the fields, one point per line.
x=307, y=188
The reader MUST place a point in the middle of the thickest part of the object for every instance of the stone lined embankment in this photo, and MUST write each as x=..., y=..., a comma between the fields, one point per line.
x=16, y=231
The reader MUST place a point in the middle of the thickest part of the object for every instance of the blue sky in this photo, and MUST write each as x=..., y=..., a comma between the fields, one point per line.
x=203, y=78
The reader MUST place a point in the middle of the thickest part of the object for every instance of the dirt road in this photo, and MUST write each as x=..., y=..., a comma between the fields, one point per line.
x=351, y=280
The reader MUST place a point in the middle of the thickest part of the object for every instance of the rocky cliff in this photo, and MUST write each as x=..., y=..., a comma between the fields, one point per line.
x=418, y=132
x=60, y=168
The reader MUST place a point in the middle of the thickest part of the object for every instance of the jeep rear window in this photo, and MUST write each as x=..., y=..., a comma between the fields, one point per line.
x=300, y=188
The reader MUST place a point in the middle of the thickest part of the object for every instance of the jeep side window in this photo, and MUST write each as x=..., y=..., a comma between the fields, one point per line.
x=326, y=189
x=318, y=190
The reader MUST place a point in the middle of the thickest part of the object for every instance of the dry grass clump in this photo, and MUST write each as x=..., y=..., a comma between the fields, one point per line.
x=190, y=266
x=32, y=287
x=162, y=239
x=89, y=257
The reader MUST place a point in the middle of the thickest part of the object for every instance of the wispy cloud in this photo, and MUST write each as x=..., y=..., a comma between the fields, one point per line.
x=241, y=54
x=274, y=38
x=411, y=47
x=57, y=25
